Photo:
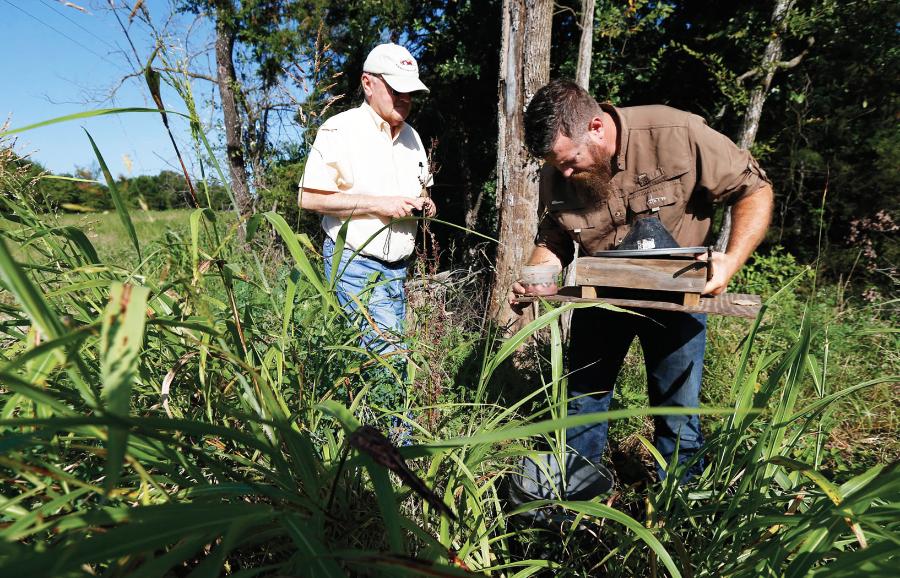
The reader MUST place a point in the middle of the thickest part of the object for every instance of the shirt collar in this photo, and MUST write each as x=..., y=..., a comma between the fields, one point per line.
x=380, y=124
x=622, y=133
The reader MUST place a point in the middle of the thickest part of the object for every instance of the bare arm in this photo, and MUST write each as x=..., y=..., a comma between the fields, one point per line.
x=750, y=218
x=540, y=255
x=343, y=205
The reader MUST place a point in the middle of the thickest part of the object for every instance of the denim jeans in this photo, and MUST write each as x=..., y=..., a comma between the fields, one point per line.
x=673, y=343
x=378, y=286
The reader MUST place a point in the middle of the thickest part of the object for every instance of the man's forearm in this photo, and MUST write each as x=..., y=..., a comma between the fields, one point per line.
x=750, y=218
x=541, y=255
x=340, y=205
x=344, y=205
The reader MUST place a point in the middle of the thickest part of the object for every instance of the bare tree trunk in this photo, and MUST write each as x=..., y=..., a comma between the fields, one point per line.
x=586, y=45
x=583, y=78
x=767, y=67
x=228, y=84
x=524, y=68
x=255, y=141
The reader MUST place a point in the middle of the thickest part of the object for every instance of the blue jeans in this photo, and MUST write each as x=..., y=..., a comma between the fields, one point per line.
x=378, y=286
x=673, y=343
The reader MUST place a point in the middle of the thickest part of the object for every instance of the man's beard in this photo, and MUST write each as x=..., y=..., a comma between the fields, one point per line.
x=595, y=184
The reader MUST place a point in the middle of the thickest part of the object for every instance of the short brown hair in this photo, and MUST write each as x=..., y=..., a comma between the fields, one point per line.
x=560, y=107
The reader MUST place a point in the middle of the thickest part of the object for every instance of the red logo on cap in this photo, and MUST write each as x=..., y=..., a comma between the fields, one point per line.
x=407, y=62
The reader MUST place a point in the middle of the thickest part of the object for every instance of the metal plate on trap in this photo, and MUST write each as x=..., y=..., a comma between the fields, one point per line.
x=650, y=252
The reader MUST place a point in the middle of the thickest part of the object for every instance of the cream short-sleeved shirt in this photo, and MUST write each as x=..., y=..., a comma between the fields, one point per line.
x=354, y=153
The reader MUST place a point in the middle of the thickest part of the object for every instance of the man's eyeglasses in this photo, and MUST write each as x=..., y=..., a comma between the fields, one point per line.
x=393, y=93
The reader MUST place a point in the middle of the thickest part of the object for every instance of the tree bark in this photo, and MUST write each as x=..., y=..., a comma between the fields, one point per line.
x=758, y=94
x=524, y=68
x=228, y=85
x=586, y=45
x=583, y=78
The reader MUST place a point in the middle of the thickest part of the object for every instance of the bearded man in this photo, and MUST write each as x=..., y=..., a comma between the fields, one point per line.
x=603, y=167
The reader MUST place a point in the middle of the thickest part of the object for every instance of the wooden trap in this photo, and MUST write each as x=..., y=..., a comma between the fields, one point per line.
x=671, y=283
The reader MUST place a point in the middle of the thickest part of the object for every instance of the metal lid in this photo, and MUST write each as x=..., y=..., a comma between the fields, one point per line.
x=650, y=252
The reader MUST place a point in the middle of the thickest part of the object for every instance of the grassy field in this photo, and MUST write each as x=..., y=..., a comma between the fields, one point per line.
x=199, y=413
x=107, y=233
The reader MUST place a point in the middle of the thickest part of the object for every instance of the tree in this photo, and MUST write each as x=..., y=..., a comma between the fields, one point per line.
x=583, y=79
x=524, y=68
x=226, y=33
x=771, y=61
x=585, y=45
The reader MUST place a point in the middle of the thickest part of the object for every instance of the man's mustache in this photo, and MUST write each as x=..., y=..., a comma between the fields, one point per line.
x=593, y=185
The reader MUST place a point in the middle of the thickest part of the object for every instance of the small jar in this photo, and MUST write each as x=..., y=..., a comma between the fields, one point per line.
x=539, y=279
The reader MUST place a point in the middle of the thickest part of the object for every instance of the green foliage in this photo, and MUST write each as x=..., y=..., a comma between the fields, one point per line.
x=766, y=273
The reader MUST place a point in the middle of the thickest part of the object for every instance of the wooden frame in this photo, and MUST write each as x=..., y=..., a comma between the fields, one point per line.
x=682, y=275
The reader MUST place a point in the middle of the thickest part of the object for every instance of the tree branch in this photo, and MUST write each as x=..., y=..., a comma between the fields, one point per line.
x=783, y=64
x=786, y=64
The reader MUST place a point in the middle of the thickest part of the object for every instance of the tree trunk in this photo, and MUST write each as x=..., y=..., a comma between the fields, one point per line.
x=586, y=45
x=583, y=78
x=767, y=68
x=524, y=68
x=228, y=84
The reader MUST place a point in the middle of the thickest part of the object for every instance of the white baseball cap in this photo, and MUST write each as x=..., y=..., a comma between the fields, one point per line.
x=396, y=66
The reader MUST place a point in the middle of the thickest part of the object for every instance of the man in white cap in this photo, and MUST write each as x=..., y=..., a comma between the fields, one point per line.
x=369, y=167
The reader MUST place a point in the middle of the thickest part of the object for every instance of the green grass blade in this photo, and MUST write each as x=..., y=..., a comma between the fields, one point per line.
x=604, y=511
x=83, y=115
x=120, y=344
x=312, y=553
x=27, y=294
x=301, y=261
x=146, y=530
x=121, y=209
x=196, y=215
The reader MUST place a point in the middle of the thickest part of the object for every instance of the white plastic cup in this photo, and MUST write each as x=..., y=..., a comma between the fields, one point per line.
x=539, y=279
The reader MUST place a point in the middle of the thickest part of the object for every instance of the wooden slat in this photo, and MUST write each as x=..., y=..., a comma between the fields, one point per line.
x=690, y=299
x=685, y=275
x=728, y=304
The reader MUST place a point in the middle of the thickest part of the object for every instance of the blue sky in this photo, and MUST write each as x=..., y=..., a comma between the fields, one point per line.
x=58, y=60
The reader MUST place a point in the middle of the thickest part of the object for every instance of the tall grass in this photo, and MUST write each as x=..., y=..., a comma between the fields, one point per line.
x=191, y=411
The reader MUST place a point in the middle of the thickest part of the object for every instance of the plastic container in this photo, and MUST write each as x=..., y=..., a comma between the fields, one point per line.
x=539, y=279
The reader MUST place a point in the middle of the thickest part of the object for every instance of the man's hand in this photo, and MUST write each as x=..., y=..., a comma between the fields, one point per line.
x=724, y=267
x=517, y=306
x=428, y=208
x=395, y=207
x=750, y=217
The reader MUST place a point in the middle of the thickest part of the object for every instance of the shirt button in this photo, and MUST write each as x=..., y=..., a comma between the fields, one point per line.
x=618, y=213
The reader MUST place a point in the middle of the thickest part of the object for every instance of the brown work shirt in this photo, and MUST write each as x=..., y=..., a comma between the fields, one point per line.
x=668, y=160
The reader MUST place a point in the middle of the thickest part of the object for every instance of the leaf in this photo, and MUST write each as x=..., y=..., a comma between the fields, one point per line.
x=120, y=343
x=116, y=197
x=604, y=511
x=300, y=259
x=84, y=114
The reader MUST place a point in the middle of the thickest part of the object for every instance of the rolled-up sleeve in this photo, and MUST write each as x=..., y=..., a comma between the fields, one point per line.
x=724, y=172
x=325, y=170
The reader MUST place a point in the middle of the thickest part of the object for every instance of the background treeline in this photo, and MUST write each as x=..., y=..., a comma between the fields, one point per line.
x=84, y=190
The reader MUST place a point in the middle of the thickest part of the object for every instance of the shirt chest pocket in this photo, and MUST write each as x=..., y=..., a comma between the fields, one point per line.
x=584, y=224
x=665, y=196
